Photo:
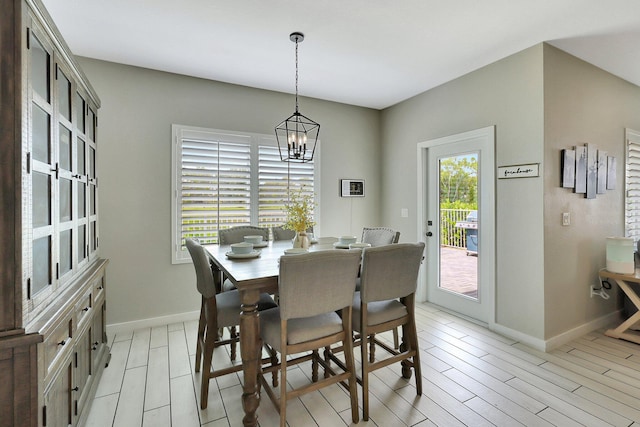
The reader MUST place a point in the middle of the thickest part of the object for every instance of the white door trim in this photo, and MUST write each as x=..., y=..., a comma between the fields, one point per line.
x=486, y=192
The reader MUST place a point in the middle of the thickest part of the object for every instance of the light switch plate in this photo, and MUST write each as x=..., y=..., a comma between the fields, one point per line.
x=566, y=218
x=404, y=213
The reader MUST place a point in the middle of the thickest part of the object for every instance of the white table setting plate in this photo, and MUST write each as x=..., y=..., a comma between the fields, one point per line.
x=253, y=254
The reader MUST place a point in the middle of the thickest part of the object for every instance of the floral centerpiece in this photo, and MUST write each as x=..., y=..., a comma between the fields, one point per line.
x=299, y=210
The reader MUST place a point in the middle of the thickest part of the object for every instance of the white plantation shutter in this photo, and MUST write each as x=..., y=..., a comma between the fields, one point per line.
x=273, y=177
x=632, y=182
x=224, y=179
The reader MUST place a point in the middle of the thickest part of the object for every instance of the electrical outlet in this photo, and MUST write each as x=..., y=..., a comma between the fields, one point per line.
x=566, y=218
x=404, y=213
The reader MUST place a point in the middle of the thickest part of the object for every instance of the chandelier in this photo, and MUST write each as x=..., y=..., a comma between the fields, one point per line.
x=297, y=135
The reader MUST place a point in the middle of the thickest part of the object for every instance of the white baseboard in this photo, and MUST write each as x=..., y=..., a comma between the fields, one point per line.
x=532, y=342
x=561, y=339
x=570, y=335
x=126, y=327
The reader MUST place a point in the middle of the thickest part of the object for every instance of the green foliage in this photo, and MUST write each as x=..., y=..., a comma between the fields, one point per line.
x=459, y=179
x=299, y=210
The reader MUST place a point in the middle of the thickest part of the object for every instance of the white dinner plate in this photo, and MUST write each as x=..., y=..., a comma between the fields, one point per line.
x=252, y=254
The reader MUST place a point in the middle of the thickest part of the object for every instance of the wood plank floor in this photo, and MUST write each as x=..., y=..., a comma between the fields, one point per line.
x=472, y=377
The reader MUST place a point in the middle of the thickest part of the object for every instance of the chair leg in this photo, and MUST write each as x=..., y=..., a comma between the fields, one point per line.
x=347, y=344
x=314, y=366
x=202, y=322
x=396, y=340
x=416, y=359
x=364, y=358
x=327, y=360
x=233, y=333
x=273, y=358
x=372, y=348
x=283, y=390
x=211, y=335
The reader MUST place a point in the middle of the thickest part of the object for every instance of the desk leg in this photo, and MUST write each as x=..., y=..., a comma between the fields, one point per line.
x=250, y=347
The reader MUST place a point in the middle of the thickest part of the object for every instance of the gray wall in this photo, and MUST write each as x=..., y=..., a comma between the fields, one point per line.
x=507, y=94
x=541, y=100
x=134, y=168
x=583, y=104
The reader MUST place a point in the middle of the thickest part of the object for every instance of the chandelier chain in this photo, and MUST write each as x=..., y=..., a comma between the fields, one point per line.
x=296, y=75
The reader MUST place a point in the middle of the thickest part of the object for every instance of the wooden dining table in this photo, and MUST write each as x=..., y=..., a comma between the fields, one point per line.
x=252, y=276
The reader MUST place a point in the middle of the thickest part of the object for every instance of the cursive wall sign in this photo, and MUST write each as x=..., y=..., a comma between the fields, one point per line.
x=519, y=171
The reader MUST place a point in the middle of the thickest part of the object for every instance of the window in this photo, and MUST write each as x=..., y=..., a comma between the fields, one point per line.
x=224, y=179
x=632, y=183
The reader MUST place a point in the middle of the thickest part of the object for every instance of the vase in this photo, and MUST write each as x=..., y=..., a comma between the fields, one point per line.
x=301, y=240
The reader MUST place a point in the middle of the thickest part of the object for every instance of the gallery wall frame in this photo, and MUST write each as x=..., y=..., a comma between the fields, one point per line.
x=587, y=170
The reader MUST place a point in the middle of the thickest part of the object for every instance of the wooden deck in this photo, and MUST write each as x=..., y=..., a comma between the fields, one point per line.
x=459, y=271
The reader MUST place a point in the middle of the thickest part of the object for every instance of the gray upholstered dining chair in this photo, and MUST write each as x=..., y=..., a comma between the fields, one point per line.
x=217, y=311
x=386, y=301
x=313, y=289
x=378, y=236
x=281, y=233
x=231, y=235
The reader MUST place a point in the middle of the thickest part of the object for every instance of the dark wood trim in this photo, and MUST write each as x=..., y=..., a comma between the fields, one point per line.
x=10, y=171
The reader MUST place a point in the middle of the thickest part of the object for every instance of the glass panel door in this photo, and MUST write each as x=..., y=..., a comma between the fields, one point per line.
x=458, y=198
x=458, y=183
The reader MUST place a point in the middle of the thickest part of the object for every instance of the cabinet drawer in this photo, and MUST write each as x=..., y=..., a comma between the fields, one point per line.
x=57, y=345
x=98, y=288
x=83, y=309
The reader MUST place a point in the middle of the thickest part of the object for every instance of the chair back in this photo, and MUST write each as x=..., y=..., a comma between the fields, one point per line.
x=317, y=282
x=236, y=234
x=281, y=233
x=378, y=236
x=390, y=271
x=204, y=275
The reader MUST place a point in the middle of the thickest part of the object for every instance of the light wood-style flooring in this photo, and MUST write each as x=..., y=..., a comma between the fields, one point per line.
x=472, y=377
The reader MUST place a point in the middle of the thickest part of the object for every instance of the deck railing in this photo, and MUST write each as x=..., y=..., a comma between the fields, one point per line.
x=449, y=234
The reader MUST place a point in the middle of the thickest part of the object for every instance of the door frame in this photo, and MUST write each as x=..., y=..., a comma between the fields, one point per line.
x=486, y=194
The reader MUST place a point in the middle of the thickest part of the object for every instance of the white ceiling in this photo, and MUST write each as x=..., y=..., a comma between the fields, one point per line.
x=371, y=53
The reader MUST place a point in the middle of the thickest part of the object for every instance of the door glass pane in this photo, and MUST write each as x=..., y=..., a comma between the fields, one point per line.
x=40, y=135
x=80, y=119
x=41, y=199
x=65, y=148
x=40, y=71
x=64, y=96
x=41, y=264
x=94, y=236
x=65, y=252
x=91, y=125
x=93, y=199
x=82, y=200
x=459, y=224
x=82, y=167
x=92, y=162
x=65, y=200
x=82, y=242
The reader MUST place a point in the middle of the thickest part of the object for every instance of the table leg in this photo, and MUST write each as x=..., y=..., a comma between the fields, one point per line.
x=620, y=331
x=250, y=347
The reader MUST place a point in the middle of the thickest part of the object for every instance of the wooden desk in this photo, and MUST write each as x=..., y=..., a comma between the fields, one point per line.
x=623, y=281
x=251, y=277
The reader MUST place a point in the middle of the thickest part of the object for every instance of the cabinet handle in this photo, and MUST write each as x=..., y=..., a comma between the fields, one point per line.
x=85, y=309
x=95, y=345
x=63, y=342
x=75, y=388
